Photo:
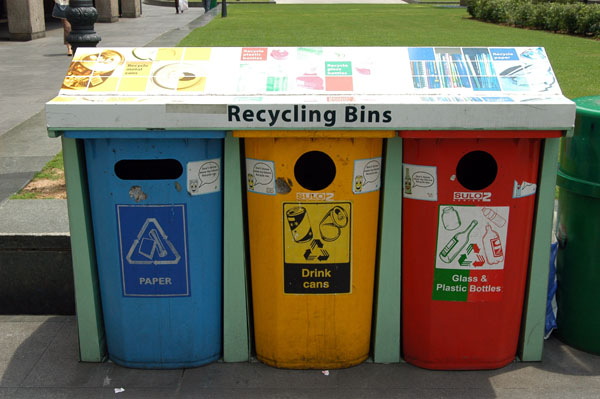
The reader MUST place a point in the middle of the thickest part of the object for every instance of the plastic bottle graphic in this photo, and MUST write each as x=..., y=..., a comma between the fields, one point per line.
x=492, y=246
x=457, y=243
x=407, y=182
x=450, y=218
x=493, y=217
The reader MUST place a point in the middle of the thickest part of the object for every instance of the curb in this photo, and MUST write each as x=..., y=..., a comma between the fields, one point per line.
x=36, y=276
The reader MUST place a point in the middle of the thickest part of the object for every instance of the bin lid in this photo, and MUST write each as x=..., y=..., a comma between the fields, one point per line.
x=296, y=88
x=579, y=163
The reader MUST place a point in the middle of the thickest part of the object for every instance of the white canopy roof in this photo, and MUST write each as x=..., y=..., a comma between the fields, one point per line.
x=396, y=88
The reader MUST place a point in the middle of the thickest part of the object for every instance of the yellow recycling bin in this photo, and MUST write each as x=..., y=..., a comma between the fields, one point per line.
x=313, y=208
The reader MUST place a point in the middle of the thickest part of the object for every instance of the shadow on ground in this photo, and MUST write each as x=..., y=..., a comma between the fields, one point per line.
x=39, y=359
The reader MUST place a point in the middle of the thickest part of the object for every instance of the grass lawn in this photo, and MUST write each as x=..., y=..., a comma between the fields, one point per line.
x=436, y=1
x=47, y=183
x=233, y=1
x=575, y=60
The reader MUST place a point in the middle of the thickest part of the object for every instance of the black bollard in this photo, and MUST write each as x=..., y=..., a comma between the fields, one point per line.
x=82, y=15
x=223, y=8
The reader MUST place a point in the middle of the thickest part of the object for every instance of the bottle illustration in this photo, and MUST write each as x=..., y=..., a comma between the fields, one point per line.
x=493, y=217
x=407, y=182
x=450, y=218
x=457, y=243
x=492, y=246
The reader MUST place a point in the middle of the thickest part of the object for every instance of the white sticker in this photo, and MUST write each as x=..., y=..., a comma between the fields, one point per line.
x=471, y=237
x=525, y=189
x=204, y=177
x=367, y=175
x=420, y=182
x=260, y=176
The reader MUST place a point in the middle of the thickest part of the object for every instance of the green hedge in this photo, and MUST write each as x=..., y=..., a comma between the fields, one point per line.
x=564, y=16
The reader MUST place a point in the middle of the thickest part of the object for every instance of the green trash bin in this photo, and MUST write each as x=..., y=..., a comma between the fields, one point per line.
x=578, y=259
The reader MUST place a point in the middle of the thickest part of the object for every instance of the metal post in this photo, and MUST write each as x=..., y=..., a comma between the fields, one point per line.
x=223, y=8
x=82, y=15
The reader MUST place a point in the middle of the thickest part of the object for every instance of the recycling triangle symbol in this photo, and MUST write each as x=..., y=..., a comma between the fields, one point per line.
x=310, y=255
x=152, y=246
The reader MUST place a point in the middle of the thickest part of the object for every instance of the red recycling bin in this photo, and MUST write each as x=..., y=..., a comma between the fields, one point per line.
x=468, y=208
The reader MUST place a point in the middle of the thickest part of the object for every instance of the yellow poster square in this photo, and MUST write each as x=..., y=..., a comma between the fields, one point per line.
x=193, y=84
x=133, y=84
x=86, y=54
x=76, y=82
x=197, y=54
x=169, y=54
x=139, y=68
x=103, y=84
x=62, y=99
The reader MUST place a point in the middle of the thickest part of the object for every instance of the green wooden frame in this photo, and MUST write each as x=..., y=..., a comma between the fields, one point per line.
x=236, y=332
x=92, y=342
x=387, y=333
x=531, y=342
x=386, y=329
x=236, y=329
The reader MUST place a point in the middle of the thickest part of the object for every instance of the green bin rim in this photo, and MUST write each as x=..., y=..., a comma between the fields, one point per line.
x=590, y=106
x=578, y=186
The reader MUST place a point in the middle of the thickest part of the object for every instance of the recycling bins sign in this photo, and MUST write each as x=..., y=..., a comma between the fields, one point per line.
x=317, y=238
x=470, y=253
x=153, y=250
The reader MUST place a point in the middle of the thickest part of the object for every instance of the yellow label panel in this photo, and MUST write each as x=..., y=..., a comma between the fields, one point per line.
x=133, y=84
x=317, y=239
x=197, y=54
x=137, y=69
x=169, y=54
x=103, y=84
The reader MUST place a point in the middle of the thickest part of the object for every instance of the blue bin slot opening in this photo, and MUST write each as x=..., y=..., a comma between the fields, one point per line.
x=148, y=169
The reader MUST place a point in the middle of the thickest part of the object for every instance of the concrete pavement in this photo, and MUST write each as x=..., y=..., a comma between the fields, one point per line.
x=35, y=263
x=38, y=359
x=31, y=73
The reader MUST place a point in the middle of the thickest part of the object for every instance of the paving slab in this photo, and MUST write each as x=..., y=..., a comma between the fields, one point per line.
x=38, y=359
x=35, y=217
x=31, y=74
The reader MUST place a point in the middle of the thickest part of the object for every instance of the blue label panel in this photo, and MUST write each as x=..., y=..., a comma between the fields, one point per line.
x=153, y=250
x=504, y=54
x=421, y=54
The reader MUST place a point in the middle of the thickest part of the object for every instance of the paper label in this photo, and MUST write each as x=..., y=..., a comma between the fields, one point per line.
x=420, y=182
x=204, y=177
x=260, y=176
x=367, y=175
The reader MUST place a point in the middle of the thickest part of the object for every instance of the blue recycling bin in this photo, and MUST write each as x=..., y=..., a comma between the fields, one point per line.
x=156, y=209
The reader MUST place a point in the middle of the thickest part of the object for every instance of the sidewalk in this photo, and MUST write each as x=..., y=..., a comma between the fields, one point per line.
x=38, y=359
x=31, y=74
x=36, y=270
